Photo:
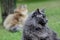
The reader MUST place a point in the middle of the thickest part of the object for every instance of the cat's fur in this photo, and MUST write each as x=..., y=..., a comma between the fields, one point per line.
x=36, y=27
x=15, y=21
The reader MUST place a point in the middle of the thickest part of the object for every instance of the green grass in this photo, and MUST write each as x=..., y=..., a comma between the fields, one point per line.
x=52, y=12
x=0, y=16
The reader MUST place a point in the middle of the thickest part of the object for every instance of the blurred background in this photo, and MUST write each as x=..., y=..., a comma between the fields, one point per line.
x=52, y=10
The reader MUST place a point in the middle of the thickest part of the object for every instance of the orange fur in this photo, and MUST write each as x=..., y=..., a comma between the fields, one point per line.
x=17, y=18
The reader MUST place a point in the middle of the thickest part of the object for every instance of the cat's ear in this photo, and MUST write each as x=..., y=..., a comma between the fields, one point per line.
x=37, y=9
x=23, y=6
x=42, y=10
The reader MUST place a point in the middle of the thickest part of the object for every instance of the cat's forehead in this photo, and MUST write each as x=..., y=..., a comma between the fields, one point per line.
x=39, y=15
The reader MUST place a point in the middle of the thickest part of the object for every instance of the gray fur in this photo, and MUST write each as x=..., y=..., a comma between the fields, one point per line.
x=35, y=27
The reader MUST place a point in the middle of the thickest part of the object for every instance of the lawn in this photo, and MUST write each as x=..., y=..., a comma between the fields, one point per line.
x=52, y=10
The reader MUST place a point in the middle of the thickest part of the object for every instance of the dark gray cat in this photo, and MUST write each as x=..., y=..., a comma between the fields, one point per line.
x=35, y=27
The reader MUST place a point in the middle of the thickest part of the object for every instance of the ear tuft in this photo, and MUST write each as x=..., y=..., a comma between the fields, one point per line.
x=37, y=9
x=42, y=10
x=23, y=6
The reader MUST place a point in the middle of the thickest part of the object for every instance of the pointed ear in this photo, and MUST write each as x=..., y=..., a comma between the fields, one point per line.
x=42, y=10
x=23, y=6
x=38, y=10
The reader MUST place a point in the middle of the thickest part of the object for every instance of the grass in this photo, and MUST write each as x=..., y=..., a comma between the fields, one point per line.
x=52, y=12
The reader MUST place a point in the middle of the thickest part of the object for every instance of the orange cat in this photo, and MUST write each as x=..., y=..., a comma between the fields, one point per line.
x=14, y=22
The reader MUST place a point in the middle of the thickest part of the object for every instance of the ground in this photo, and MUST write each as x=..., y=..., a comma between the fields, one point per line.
x=52, y=10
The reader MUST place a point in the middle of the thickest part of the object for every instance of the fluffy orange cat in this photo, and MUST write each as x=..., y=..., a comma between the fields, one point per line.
x=14, y=22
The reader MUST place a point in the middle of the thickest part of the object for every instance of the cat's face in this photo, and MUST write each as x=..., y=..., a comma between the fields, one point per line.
x=40, y=17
